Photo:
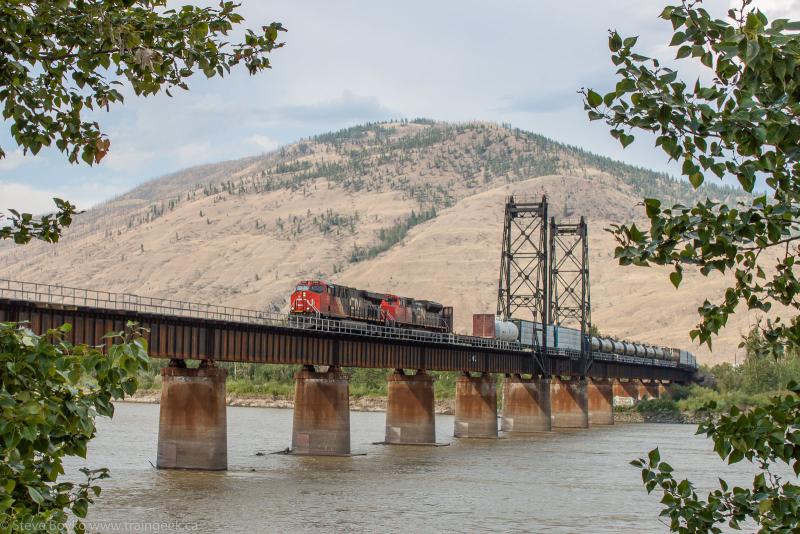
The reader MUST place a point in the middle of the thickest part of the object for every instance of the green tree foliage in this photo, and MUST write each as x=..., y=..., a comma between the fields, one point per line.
x=767, y=437
x=23, y=226
x=50, y=394
x=63, y=59
x=389, y=237
x=738, y=119
x=760, y=372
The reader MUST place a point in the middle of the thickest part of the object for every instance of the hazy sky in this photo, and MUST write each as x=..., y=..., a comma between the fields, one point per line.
x=348, y=62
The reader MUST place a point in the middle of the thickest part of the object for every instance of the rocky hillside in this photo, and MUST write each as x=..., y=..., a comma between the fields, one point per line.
x=413, y=207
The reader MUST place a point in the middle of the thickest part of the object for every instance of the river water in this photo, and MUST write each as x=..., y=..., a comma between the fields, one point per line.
x=564, y=481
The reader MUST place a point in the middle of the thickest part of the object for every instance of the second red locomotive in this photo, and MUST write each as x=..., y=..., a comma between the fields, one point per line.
x=319, y=298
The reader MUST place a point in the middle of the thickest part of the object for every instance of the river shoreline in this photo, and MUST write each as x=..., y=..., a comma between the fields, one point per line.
x=378, y=404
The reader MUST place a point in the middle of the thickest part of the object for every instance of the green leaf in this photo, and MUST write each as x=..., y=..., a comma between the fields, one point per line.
x=751, y=51
x=593, y=98
x=652, y=207
x=35, y=495
x=696, y=179
x=654, y=457
x=676, y=276
x=625, y=140
x=630, y=42
x=683, y=52
x=765, y=506
x=677, y=38
x=614, y=42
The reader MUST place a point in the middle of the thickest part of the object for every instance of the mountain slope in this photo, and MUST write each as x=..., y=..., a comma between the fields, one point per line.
x=412, y=207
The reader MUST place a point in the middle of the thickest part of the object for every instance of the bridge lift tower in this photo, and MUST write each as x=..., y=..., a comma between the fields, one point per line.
x=569, y=282
x=544, y=271
x=524, y=274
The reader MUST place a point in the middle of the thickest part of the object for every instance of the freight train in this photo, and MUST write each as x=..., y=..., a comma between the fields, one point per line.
x=322, y=299
x=318, y=298
x=565, y=339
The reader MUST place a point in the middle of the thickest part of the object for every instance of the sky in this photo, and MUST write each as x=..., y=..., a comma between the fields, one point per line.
x=348, y=62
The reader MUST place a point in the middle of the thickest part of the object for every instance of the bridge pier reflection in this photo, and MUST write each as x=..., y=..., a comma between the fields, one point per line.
x=192, y=428
x=476, y=407
x=569, y=403
x=601, y=401
x=526, y=404
x=321, y=423
x=410, y=418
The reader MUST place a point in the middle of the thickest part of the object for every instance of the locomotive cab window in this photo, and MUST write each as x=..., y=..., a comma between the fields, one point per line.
x=316, y=288
x=301, y=288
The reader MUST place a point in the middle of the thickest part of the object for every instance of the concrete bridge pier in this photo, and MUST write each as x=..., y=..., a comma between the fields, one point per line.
x=192, y=426
x=625, y=393
x=648, y=390
x=569, y=403
x=321, y=424
x=601, y=401
x=410, y=418
x=526, y=404
x=476, y=407
x=663, y=392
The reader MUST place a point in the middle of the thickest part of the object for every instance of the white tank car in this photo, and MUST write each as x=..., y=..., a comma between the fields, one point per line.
x=505, y=330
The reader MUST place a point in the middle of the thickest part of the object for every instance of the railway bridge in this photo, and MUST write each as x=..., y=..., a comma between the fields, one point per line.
x=542, y=388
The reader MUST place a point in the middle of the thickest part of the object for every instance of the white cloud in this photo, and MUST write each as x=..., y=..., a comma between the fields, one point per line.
x=194, y=153
x=126, y=158
x=13, y=160
x=775, y=8
x=263, y=142
x=466, y=60
x=26, y=199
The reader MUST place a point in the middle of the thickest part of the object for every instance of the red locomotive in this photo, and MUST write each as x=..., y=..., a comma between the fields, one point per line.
x=319, y=298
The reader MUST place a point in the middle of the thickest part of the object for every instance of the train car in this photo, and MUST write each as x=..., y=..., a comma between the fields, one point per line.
x=322, y=299
x=568, y=339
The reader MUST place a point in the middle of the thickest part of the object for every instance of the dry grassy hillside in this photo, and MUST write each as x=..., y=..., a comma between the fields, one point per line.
x=415, y=208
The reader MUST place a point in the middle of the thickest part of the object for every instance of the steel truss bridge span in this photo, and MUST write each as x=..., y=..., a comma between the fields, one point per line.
x=187, y=330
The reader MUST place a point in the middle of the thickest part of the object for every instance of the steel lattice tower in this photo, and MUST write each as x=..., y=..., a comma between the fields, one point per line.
x=524, y=267
x=569, y=281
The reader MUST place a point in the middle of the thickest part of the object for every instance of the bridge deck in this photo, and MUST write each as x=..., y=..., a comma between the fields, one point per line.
x=186, y=330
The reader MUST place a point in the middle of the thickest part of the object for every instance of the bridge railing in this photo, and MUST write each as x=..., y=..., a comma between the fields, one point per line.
x=72, y=296
x=106, y=300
